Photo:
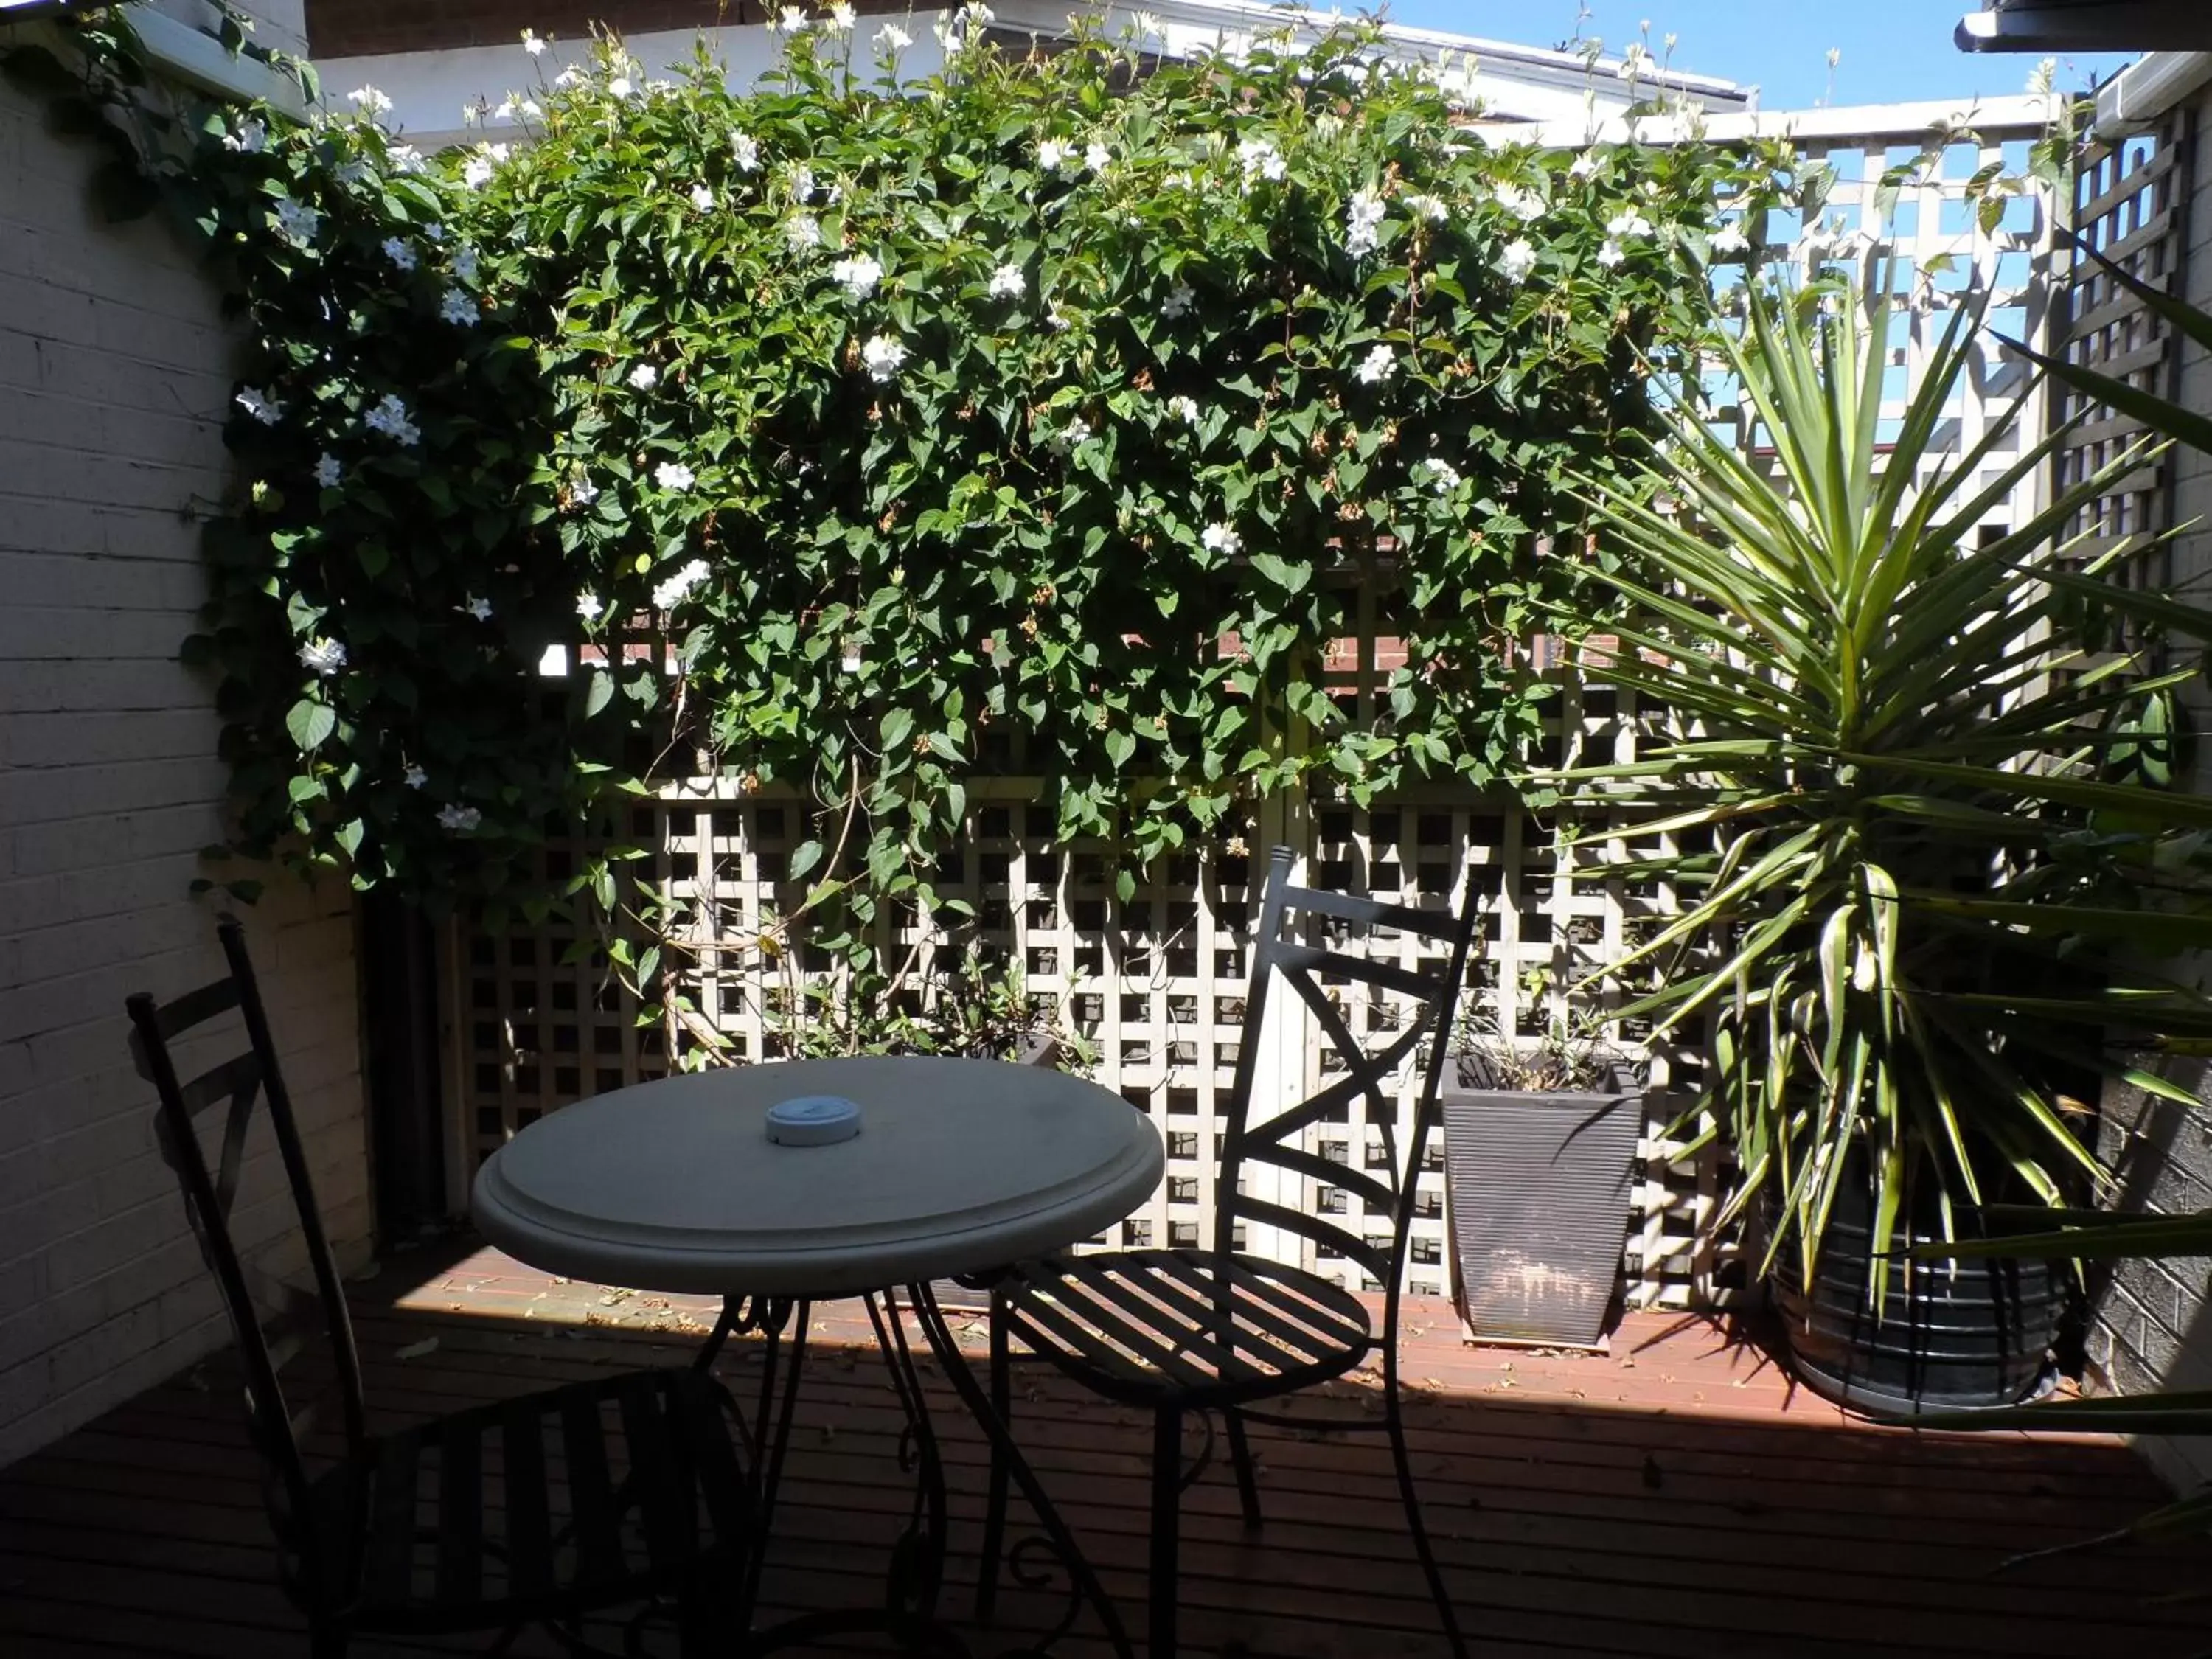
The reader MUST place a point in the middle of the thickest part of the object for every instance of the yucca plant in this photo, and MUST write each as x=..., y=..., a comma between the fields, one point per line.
x=1925, y=839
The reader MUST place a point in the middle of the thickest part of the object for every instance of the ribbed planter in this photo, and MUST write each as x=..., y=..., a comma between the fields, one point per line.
x=1540, y=1188
x=1951, y=1335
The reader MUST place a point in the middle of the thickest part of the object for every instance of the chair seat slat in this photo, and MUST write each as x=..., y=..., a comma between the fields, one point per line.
x=663, y=1493
x=387, y=1577
x=590, y=1492
x=529, y=1501
x=1201, y=1336
x=460, y=1511
x=1196, y=1291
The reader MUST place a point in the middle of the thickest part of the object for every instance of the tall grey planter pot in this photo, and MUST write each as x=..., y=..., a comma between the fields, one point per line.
x=1539, y=1186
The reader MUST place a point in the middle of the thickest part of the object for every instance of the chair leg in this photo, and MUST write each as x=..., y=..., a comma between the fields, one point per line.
x=994, y=1508
x=1248, y=1478
x=1395, y=1423
x=1167, y=1505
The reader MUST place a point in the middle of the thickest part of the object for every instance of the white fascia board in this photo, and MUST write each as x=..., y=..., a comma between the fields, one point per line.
x=2015, y=114
x=428, y=89
x=2146, y=89
x=1212, y=20
x=184, y=53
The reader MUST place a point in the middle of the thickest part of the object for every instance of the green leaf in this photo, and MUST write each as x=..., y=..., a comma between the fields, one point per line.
x=310, y=723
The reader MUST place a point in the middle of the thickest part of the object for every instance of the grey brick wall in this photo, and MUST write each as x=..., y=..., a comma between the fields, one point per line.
x=114, y=380
x=2154, y=1328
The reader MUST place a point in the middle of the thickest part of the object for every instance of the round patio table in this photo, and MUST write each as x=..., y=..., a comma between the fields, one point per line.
x=960, y=1167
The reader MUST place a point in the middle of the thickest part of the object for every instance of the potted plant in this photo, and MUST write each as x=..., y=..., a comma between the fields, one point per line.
x=1914, y=785
x=1540, y=1153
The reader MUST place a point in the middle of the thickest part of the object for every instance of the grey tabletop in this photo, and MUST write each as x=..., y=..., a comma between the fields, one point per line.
x=960, y=1166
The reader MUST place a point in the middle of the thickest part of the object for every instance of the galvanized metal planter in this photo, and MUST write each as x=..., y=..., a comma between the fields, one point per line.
x=1539, y=1186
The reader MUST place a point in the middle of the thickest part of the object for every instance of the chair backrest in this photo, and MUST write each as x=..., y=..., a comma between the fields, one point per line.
x=1297, y=941
x=267, y=1341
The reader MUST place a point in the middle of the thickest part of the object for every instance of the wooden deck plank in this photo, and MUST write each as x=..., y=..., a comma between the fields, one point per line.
x=1675, y=1497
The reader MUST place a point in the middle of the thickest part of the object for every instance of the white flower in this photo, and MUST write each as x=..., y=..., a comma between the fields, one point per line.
x=323, y=657
x=1611, y=254
x=588, y=606
x=1522, y=204
x=505, y=111
x=1052, y=155
x=353, y=172
x=670, y=592
x=1517, y=259
x=793, y=21
x=415, y=777
x=530, y=109
x=1052, y=317
x=1363, y=224
x=1077, y=431
x=802, y=231
x=464, y=262
x=802, y=183
x=842, y=17
x=701, y=197
x=391, y=418
x=458, y=818
x=297, y=221
x=1444, y=476
x=1379, y=364
x=744, y=150
x=477, y=172
x=248, y=139
x=1585, y=167
x=1259, y=158
x=1730, y=239
x=1007, y=283
x=1184, y=409
x=1627, y=223
x=1220, y=539
x=568, y=77
x=858, y=275
x=583, y=492
x=369, y=100
x=1328, y=123
x=645, y=377
x=883, y=356
x=480, y=609
x=260, y=405
x=405, y=158
x=1179, y=301
x=532, y=44
x=619, y=87
x=953, y=29
x=674, y=475
x=457, y=308
x=1096, y=157
x=328, y=471
x=892, y=37
x=1432, y=207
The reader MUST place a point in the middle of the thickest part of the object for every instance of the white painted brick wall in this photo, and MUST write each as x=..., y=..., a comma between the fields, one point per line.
x=114, y=372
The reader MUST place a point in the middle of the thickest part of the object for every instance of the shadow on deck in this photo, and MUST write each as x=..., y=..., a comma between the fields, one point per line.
x=1675, y=1497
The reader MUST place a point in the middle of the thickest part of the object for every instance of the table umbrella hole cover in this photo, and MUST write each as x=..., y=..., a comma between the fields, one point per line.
x=813, y=1120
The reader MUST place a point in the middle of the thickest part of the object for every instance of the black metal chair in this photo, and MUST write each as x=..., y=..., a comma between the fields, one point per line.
x=1182, y=1330
x=543, y=1508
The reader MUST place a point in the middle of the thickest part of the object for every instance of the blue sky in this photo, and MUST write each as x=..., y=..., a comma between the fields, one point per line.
x=1892, y=50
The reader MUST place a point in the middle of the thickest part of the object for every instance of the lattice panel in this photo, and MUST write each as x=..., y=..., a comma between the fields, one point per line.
x=2129, y=203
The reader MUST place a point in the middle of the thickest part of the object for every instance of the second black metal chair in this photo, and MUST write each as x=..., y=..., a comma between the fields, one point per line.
x=546, y=1507
x=1189, y=1330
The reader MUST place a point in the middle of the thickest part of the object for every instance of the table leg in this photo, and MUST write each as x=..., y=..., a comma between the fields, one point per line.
x=1054, y=1543
x=918, y=1559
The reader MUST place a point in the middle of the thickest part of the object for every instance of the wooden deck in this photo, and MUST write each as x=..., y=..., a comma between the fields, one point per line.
x=1675, y=1497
